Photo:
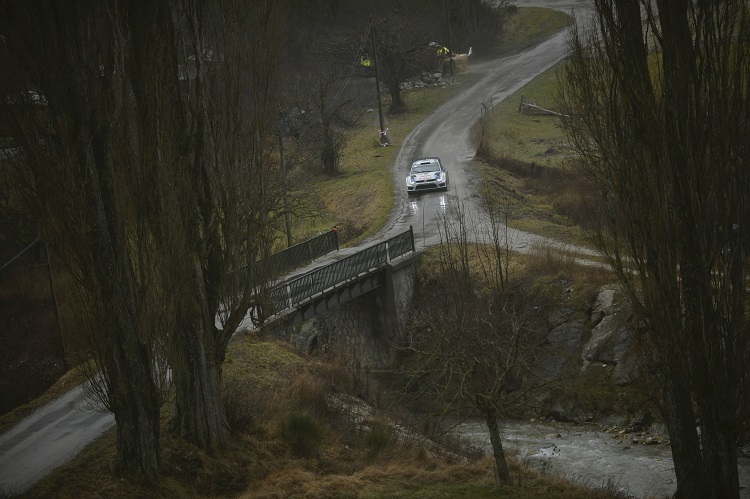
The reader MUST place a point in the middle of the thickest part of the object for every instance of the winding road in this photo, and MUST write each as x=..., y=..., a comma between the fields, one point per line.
x=57, y=432
x=446, y=134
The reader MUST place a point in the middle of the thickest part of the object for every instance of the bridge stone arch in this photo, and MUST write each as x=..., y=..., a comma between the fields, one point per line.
x=362, y=316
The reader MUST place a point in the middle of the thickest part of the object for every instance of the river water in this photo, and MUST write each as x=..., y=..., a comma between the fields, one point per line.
x=585, y=454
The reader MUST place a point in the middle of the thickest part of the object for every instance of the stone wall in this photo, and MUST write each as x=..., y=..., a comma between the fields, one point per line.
x=363, y=331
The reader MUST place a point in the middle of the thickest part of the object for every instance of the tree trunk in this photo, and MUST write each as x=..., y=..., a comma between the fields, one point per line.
x=126, y=357
x=199, y=413
x=719, y=439
x=501, y=465
x=686, y=453
x=398, y=105
x=328, y=152
x=137, y=418
x=131, y=391
x=197, y=366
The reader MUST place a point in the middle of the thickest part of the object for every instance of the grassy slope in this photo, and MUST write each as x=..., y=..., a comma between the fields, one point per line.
x=527, y=159
x=529, y=137
x=264, y=381
x=529, y=26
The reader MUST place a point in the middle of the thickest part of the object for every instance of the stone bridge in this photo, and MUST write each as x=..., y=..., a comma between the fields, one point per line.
x=357, y=306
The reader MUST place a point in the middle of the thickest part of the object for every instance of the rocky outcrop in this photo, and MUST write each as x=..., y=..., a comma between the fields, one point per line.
x=610, y=340
x=601, y=337
x=594, y=343
x=566, y=330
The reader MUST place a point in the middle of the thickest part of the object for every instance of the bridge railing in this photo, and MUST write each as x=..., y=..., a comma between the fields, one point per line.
x=303, y=253
x=296, y=291
x=290, y=258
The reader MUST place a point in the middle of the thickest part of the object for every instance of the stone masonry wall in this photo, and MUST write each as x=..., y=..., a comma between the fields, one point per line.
x=354, y=331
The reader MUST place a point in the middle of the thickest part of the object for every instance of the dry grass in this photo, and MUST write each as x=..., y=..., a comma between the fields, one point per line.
x=66, y=383
x=529, y=26
x=32, y=355
x=257, y=462
x=530, y=168
x=529, y=138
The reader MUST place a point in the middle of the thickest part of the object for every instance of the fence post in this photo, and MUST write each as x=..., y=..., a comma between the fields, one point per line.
x=335, y=236
x=411, y=233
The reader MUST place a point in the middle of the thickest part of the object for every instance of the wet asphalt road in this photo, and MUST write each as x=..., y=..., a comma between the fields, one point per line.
x=447, y=134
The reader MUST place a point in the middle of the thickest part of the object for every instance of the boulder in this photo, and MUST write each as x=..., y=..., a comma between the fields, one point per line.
x=605, y=300
x=569, y=412
x=640, y=422
x=626, y=362
x=610, y=341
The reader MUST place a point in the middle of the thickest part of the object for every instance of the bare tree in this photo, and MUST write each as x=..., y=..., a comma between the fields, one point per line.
x=329, y=111
x=403, y=33
x=475, y=23
x=479, y=339
x=664, y=133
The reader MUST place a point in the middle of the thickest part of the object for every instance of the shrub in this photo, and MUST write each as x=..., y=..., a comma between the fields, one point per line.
x=302, y=433
x=377, y=438
x=239, y=403
x=310, y=392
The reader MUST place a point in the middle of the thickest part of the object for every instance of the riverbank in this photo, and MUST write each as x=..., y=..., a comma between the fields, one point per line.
x=632, y=464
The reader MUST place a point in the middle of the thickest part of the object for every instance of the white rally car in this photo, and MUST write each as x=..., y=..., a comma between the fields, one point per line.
x=427, y=174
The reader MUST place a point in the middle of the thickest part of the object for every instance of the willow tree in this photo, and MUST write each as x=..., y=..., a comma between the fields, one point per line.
x=659, y=95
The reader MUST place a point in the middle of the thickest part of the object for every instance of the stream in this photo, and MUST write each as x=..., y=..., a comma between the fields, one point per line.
x=586, y=454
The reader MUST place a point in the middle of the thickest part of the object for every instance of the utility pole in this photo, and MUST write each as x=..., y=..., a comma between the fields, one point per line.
x=450, y=35
x=385, y=140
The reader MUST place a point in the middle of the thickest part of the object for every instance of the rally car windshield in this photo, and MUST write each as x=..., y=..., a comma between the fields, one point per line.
x=425, y=168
